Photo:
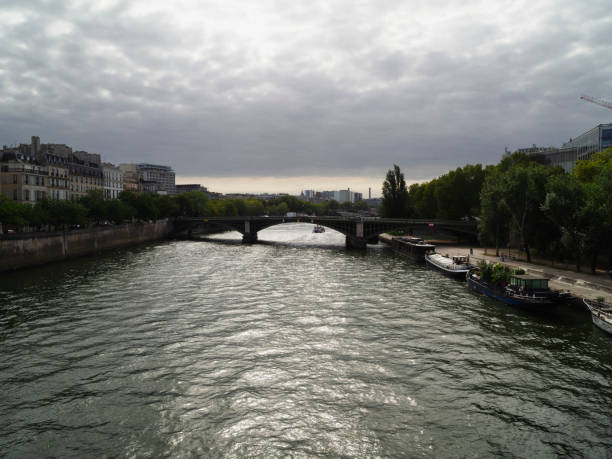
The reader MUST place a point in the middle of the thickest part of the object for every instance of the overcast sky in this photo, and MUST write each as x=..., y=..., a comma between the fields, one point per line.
x=313, y=92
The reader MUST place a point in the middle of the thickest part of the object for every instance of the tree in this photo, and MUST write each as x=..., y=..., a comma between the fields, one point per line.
x=12, y=213
x=360, y=205
x=167, y=206
x=118, y=211
x=193, y=204
x=65, y=213
x=395, y=202
x=523, y=188
x=587, y=170
x=97, y=209
x=494, y=215
x=565, y=205
x=457, y=192
x=423, y=197
x=596, y=175
x=254, y=207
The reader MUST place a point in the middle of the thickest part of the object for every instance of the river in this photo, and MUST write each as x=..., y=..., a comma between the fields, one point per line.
x=292, y=346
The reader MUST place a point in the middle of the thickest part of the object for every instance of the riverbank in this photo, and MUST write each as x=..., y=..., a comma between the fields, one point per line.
x=26, y=250
x=578, y=284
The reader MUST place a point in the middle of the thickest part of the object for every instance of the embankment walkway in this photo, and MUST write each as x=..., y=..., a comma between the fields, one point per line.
x=582, y=284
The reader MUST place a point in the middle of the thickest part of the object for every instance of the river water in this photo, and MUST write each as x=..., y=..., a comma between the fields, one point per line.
x=290, y=347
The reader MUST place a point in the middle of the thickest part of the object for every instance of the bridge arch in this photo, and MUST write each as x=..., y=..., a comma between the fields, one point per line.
x=358, y=231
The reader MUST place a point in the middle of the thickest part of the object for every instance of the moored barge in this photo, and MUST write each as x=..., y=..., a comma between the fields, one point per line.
x=523, y=290
x=456, y=267
x=412, y=247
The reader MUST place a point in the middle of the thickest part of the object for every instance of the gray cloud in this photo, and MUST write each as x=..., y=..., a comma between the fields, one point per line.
x=271, y=87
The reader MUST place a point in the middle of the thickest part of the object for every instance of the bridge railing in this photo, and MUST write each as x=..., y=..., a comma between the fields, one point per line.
x=406, y=221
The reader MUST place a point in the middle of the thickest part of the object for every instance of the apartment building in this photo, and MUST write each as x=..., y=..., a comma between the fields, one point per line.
x=85, y=174
x=113, y=181
x=22, y=178
x=151, y=178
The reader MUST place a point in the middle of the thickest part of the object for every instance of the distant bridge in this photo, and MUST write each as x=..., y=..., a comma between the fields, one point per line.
x=358, y=231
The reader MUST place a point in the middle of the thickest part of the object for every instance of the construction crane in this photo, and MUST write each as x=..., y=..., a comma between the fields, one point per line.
x=603, y=103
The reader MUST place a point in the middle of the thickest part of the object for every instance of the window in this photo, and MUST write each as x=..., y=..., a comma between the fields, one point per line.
x=14, y=180
x=606, y=138
x=15, y=195
x=26, y=195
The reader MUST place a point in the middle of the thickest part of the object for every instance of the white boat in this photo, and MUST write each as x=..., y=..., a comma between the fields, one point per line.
x=601, y=314
x=457, y=266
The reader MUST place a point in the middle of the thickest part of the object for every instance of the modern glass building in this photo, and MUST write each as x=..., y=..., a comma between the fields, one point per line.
x=582, y=147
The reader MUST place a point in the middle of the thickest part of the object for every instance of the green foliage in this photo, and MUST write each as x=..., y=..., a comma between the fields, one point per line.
x=457, y=192
x=497, y=274
x=278, y=209
x=12, y=213
x=65, y=213
x=452, y=196
x=511, y=199
x=193, y=204
x=395, y=202
x=586, y=171
x=494, y=216
x=565, y=205
x=96, y=206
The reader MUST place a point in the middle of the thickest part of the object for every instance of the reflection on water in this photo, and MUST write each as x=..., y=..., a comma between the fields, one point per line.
x=294, y=346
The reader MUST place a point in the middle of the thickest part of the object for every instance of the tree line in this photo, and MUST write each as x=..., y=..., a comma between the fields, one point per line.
x=93, y=208
x=547, y=210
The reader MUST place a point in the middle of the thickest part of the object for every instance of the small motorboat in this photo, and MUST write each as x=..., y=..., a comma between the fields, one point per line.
x=601, y=314
x=318, y=229
x=457, y=266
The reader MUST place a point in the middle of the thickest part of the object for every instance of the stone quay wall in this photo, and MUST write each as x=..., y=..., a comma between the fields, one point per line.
x=26, y=250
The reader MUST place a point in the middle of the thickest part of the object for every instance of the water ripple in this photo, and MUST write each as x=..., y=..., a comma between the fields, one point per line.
x=295, y=347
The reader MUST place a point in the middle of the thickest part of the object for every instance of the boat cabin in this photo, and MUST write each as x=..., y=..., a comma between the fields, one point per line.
x=461, y=260
x=529, y=282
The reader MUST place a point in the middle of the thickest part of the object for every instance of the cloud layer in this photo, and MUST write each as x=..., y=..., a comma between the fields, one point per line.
x=264, y=88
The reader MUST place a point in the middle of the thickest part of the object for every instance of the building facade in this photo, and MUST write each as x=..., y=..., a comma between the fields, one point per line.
x=22, y=178
x=131, y=180
x=347, y=196
x=190, y=187
x=85, y=174
x=597, y=139
x=157, y=179
x=581, y=148
x=58, y=182
x=113, y=181
x=151, y=178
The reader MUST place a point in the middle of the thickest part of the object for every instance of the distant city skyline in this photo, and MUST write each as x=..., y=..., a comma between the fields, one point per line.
x=228, y=88
x=291, y=185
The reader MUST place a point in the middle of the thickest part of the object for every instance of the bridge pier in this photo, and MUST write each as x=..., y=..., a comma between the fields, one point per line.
x=373, y=240
x=249, y=238
x=353, y=242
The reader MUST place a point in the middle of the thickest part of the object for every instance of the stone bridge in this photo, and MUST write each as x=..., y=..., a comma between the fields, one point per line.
x=358, y=230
